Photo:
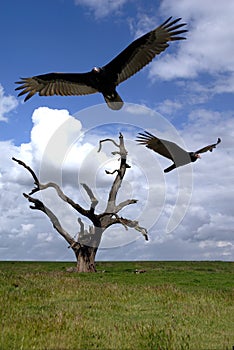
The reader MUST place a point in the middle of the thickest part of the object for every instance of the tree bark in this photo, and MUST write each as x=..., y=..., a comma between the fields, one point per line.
x=85, y=257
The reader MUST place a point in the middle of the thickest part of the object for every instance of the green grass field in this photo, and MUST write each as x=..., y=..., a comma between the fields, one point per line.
x=173, y=305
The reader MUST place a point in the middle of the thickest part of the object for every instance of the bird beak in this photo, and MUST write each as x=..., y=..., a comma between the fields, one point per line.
x=198, y=156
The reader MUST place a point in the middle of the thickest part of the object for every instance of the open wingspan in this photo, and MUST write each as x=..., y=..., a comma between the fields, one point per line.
x=105, y=79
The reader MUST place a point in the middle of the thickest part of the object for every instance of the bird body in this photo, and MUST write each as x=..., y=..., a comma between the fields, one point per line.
x=105, y=79
x=171, y=150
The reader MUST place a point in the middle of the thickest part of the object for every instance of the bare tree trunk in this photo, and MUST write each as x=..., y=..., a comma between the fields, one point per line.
x=87, y=244
x=85, y=257
x=86, y=247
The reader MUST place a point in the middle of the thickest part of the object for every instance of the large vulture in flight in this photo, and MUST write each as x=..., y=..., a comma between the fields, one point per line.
x=105, y=79
x=171, y=150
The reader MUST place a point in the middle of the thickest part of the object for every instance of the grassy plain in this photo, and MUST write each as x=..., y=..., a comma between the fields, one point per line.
x=172, y=306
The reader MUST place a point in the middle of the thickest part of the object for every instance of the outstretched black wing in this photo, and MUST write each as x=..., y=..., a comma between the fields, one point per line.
x=141, y=51
x=63, y=84
x=165, y=148
x=209, y=147
x=138, y=54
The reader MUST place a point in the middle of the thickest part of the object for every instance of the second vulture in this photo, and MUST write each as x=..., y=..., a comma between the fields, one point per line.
x=171, y=150
x=105, y=79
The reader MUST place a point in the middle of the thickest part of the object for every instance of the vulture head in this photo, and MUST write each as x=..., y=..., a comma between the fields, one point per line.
x=96, y=69
x=194, y=156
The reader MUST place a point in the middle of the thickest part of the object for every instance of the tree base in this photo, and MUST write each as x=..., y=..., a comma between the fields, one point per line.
x=86, y=259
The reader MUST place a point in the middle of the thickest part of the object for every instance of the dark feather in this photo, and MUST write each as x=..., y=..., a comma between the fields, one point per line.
x=165, y=148
x=142, y=51
x=63, y=84
x=209, y=147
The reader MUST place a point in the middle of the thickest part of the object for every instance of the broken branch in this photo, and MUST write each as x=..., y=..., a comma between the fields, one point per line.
x=40, y=187
x=134, y=224
x=93, y=199
x=53, y=218
x=111, y=140
x=125, y=203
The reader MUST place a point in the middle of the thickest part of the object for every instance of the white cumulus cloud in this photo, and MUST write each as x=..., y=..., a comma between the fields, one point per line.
x=7, y=104
x=203, y=221
x=208, y=48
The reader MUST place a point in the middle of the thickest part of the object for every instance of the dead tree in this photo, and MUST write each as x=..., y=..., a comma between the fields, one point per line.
x=86, y=245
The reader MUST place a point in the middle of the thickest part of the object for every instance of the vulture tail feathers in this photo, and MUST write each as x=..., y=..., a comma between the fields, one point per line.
x=170, y=168
x=114, y=101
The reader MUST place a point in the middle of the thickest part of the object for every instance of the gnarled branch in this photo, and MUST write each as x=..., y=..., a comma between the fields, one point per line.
x=111, y=172
x=36, y=181
x=116, y=219
x=123, y=204
x=111, y=140
x=94, y=201
x=111, y=205
x=53, y=218
x=40, y=187
x=134, y=224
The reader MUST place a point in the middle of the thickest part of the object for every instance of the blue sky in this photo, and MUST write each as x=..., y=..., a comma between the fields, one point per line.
x=185, y=94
